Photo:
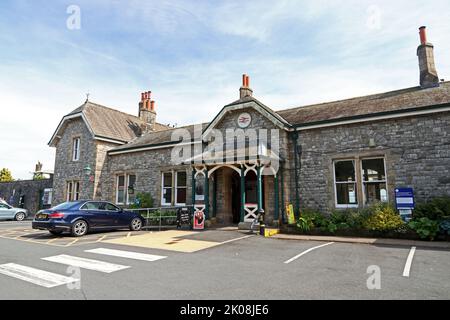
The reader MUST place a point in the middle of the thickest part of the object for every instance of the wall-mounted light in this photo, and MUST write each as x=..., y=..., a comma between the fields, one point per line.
x=87, y=170
x=372, y=143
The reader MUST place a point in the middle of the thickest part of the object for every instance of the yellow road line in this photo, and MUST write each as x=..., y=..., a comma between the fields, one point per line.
x=101, y=238
x=51, y=240
x=71, y=243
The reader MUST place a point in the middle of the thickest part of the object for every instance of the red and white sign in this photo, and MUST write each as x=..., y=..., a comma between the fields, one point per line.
x=199, y=220
x=244, y=120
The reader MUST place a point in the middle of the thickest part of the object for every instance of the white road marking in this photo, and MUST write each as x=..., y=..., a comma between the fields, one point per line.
x=40, y=277
x=307, y=251
x=126, y=254
x=95, y=265
x=409, y=262
x=236, y=239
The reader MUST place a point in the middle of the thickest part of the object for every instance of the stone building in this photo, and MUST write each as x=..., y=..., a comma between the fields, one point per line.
x=342, y=154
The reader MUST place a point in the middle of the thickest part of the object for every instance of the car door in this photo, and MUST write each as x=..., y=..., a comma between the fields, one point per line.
x=117, y=217
x=4, y=211
x=96, y=217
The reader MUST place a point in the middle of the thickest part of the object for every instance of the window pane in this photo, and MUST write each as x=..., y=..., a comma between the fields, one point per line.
x=181, y=179
x=181, y=195
x=373, y=170
x=167, y=179
x=120, y=189
x=346, y=193
x=375, y=191
x=200, y=188
x=121, y=181
x=167, y=195
x=131, y=193
x=344, y=171
x=120, y=196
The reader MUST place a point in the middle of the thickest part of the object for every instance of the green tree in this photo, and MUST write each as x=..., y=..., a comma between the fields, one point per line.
x=38, y=176
x=5, y=175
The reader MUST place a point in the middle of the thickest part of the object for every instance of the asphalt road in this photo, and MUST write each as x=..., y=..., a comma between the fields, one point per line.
x=246, y=268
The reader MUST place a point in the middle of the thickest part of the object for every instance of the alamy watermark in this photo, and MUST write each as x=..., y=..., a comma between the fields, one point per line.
x=374, y=280
x=232, y=145
x=73, y=22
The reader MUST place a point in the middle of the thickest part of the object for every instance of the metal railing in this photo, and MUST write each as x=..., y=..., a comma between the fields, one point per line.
x=159, y=217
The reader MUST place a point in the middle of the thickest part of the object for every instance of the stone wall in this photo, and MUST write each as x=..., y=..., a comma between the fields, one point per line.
x=416, y=151
x=68, y=170
x=148, y=167
x=31, y=189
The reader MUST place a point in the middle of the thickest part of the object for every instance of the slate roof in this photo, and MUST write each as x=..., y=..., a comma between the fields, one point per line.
x=111, y=123
x=384, y=102
x=400, y=100
x=155, y=138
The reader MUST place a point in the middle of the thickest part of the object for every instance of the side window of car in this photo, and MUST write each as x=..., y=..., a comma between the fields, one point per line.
x=91, y=206
x=111, y=207
x=3, y=206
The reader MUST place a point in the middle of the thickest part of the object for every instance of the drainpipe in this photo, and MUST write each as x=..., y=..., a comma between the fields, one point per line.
x=193, y=190
x=206, y=194
x=296, y=154
x=283, y=213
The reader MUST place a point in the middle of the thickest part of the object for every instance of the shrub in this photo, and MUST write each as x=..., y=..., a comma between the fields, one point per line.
x=436, y=209
x=143, y=200
x=425, y=228
x=305, y=224
x=318, y=219
x=382, y=217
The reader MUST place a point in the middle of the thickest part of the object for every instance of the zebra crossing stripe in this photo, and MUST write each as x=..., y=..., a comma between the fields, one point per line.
x=36, y=276
x=84, y=263
x=126, y=254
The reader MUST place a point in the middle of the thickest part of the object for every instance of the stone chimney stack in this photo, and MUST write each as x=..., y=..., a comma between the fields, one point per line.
x=428, y=74
x=147, y=111
x=245, y=89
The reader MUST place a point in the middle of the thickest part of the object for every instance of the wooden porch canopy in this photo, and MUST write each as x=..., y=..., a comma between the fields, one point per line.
x=243, y=161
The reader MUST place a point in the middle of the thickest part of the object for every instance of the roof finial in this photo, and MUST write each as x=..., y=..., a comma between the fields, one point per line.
x=87, y=96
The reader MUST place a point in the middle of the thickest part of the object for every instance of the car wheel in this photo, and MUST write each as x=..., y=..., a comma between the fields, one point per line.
x=136, y=224
x=20, y=216
x=79, y=228
x=56, y=233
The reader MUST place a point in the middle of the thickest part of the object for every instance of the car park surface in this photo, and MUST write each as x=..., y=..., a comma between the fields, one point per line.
x=238, y=266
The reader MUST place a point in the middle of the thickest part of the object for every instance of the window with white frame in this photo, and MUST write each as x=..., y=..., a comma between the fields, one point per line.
x=69, y=192
x=374, y=180
x=131, y=194
x=345, y=184
x=166, y=194
x=125, y=185
x=181, y=188
x=73, y=191
x=76, y=149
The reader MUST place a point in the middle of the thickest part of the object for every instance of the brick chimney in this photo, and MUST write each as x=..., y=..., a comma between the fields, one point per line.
x=245, y=89
x=428, y=74
x=147, y=111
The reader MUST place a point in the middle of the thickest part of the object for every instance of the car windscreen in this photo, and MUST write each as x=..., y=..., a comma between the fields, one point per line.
x=65, y=206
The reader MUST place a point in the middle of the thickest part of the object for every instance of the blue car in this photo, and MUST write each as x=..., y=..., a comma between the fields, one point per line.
x=80, y=217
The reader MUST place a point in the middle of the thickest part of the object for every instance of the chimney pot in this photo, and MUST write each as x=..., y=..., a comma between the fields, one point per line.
x=247, y=81
x=423, y=34
x=152, y=105
x=142, y=96
x=244, y=78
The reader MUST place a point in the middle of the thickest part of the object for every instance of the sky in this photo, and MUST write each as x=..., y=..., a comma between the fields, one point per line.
x=192, y=54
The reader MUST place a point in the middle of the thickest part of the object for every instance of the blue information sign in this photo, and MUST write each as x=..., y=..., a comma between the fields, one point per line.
x=404, y=198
